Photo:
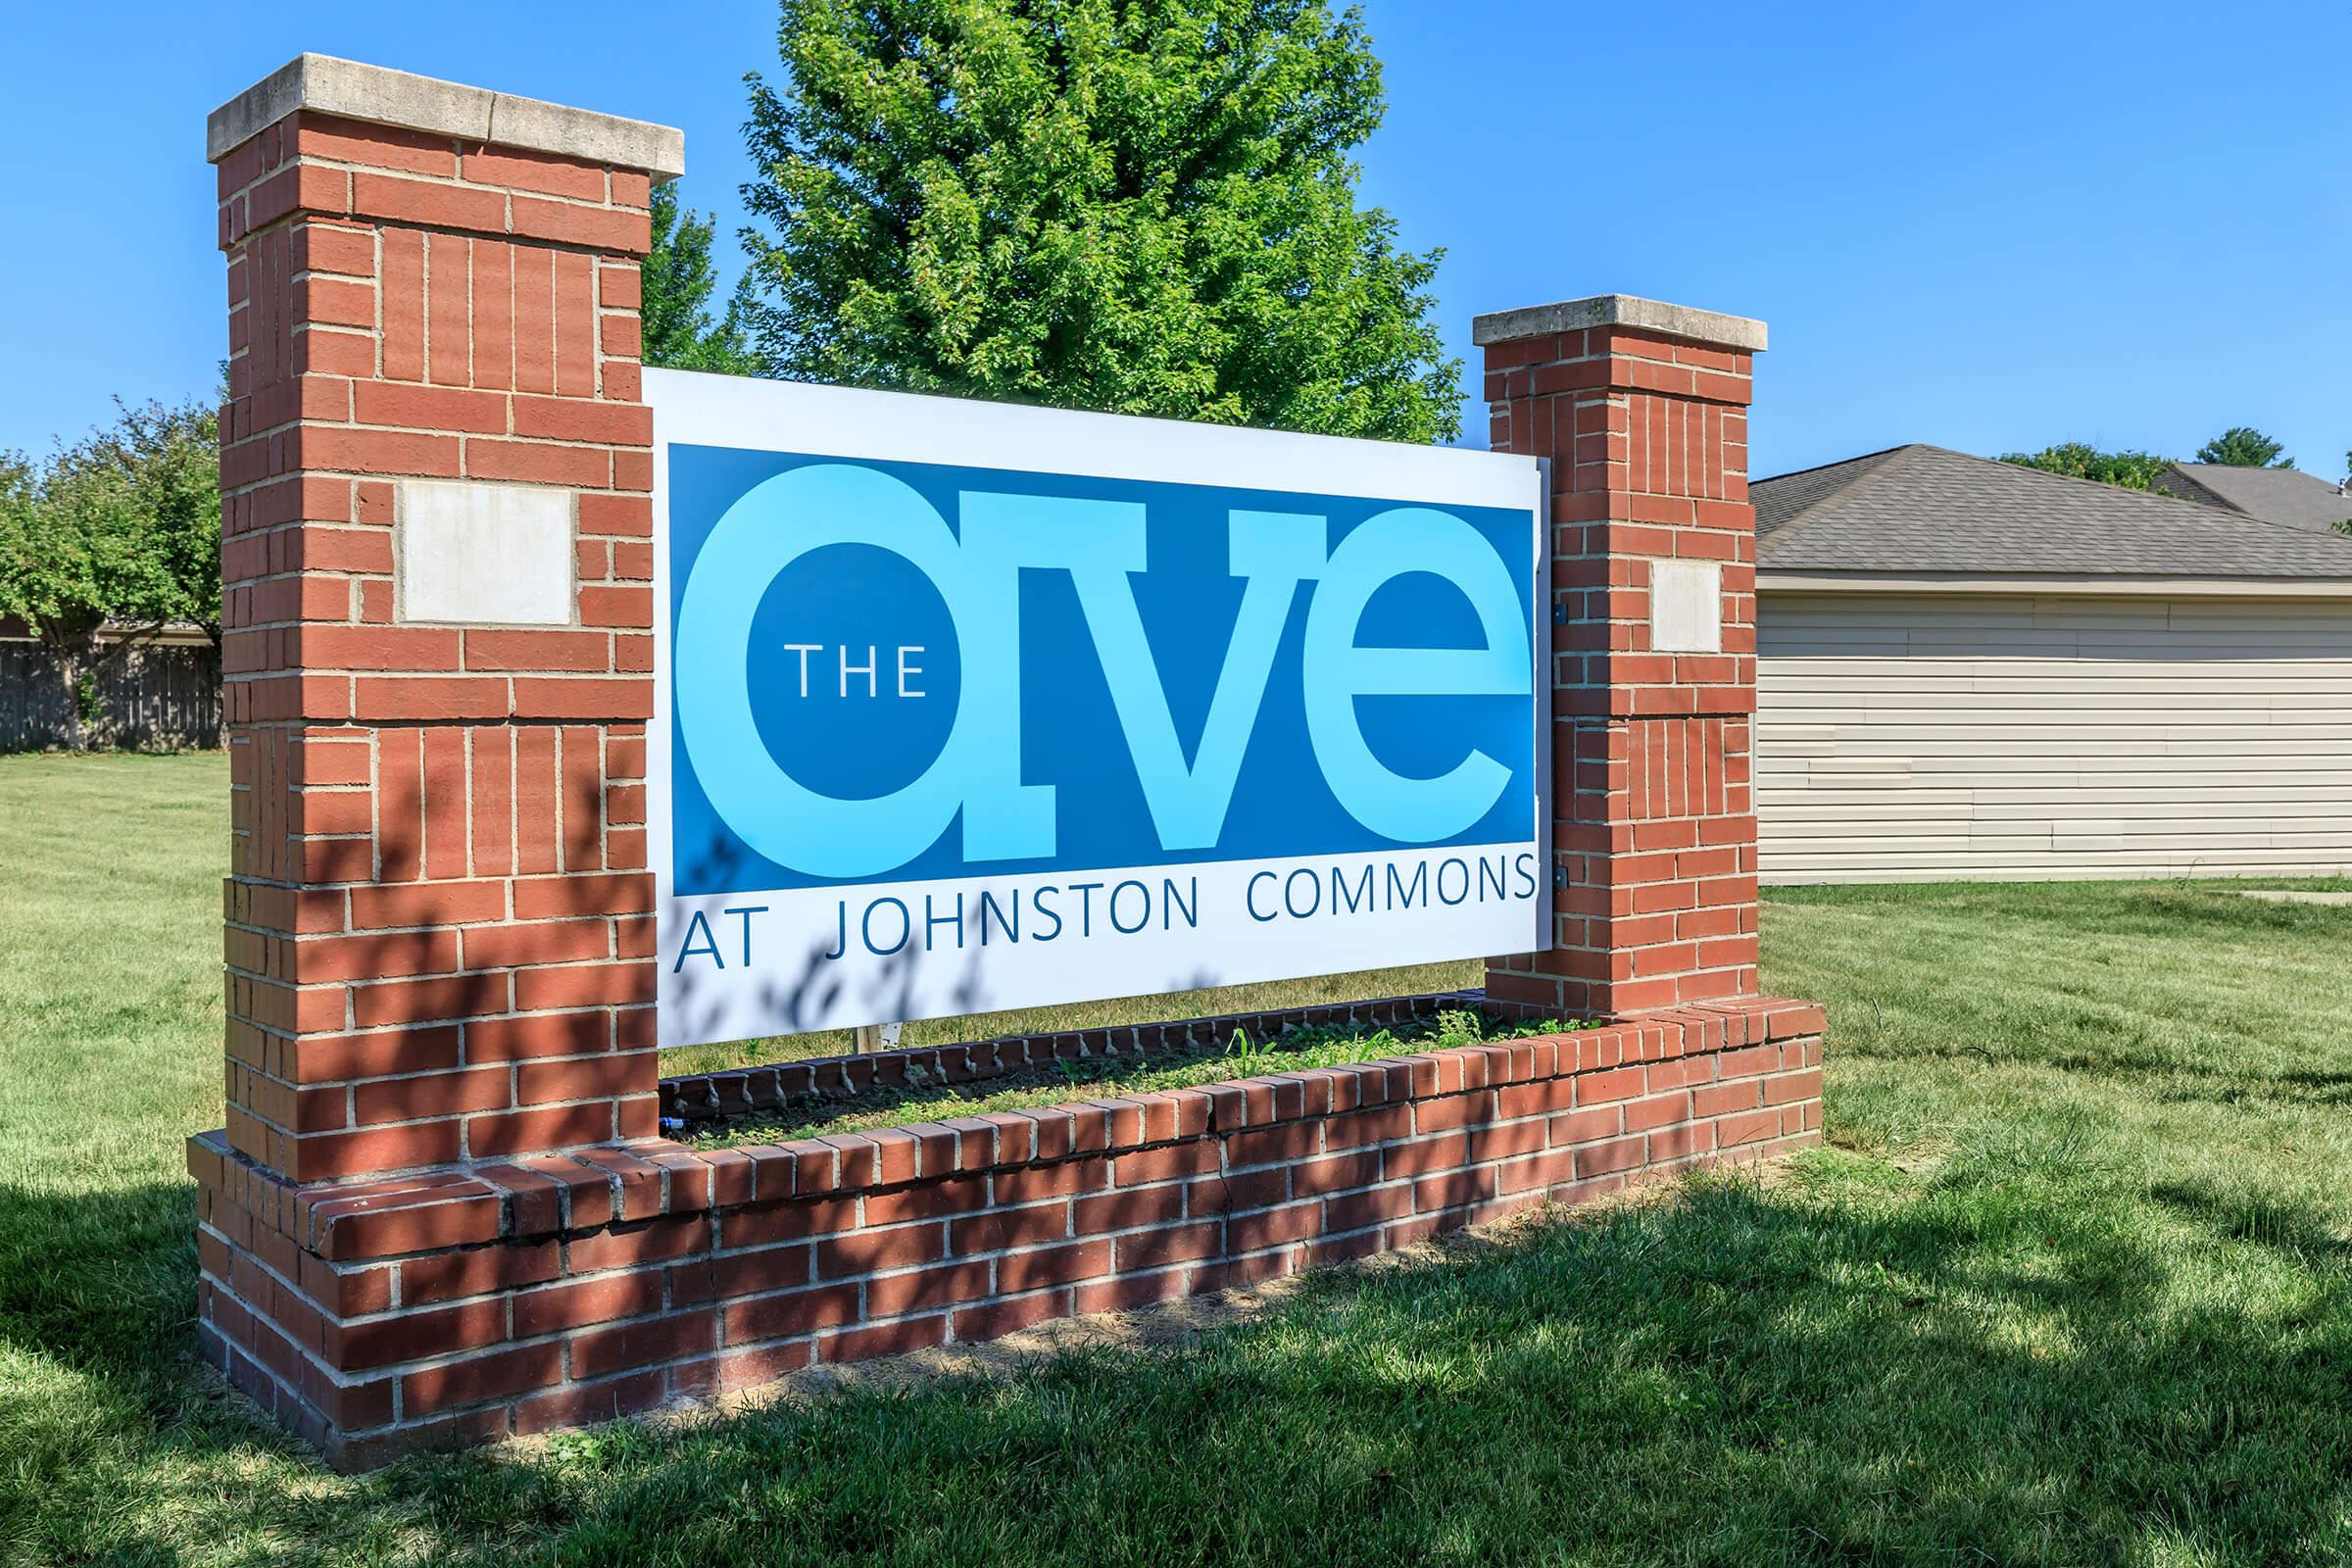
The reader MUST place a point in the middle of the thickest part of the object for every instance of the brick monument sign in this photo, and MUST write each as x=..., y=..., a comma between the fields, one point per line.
x=442, y=1209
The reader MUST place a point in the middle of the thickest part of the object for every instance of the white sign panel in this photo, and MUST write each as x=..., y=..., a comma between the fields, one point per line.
x=967, y=706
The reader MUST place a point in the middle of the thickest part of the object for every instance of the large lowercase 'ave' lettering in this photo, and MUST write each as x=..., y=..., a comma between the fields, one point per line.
x=1100, y=547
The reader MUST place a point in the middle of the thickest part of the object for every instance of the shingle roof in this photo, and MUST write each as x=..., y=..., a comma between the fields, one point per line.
x=2274, y=495
x=1923, y=509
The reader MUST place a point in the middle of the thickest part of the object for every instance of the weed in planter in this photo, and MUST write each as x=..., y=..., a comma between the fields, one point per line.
x=1462, y=1026
x=1244, y=1053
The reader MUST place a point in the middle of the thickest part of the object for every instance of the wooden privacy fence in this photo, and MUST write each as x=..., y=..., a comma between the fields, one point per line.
x=164, y=696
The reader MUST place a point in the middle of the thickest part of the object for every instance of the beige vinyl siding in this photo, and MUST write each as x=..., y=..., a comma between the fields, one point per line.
x=1905, y=737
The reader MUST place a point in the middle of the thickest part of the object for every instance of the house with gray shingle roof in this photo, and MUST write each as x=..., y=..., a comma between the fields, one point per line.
x=1969, y=669
x=2274, y=495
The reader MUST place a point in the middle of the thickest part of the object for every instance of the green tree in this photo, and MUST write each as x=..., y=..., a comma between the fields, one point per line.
x=1139, y=206
x=2241, y=446
x=63, y=562
x=160, y=466
x=679, y=282
x=124, y=527
x=2133, y=471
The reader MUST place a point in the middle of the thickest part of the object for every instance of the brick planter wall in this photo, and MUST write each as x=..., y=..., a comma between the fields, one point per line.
x=465, y=1306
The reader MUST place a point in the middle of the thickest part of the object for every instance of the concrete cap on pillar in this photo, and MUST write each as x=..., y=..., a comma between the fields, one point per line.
x=353, y=91
x=1621, y=310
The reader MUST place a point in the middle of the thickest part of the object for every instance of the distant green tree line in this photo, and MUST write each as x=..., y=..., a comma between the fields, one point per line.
x=124, y=527
x=2241, y=446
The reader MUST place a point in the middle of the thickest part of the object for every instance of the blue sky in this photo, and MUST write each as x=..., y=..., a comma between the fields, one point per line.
x=1985, y=225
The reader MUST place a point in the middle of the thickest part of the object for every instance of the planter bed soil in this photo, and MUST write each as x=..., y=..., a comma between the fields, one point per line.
x=910, y=1092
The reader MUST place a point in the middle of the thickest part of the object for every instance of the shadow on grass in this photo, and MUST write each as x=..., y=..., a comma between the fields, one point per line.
x=2264, y=1219
x=2019, y=1361
x=1735, y=1375
x=101, y=1282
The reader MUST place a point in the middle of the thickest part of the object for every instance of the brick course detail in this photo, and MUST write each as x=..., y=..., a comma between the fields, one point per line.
x=512, y=1297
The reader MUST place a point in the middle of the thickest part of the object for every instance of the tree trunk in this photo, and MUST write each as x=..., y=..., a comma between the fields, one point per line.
x=69, y=670
x=80, y=657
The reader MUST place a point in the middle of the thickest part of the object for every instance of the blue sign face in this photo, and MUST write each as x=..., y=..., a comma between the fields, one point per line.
x=889, y=671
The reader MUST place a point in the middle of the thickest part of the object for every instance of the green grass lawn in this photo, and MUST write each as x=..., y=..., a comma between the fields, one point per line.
x=2072, y=1284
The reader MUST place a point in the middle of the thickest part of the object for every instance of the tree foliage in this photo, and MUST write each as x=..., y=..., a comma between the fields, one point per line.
x=679, y=282
x=1141, y=206
x=2241, y=446
x=2133, y=471
x=124, y=527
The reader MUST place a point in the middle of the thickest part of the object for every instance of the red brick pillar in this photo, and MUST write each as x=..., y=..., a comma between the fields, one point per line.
x=1641, y=409
x=436, y=547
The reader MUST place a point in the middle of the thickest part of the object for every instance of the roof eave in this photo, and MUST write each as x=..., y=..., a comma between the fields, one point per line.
x=2083, y=584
